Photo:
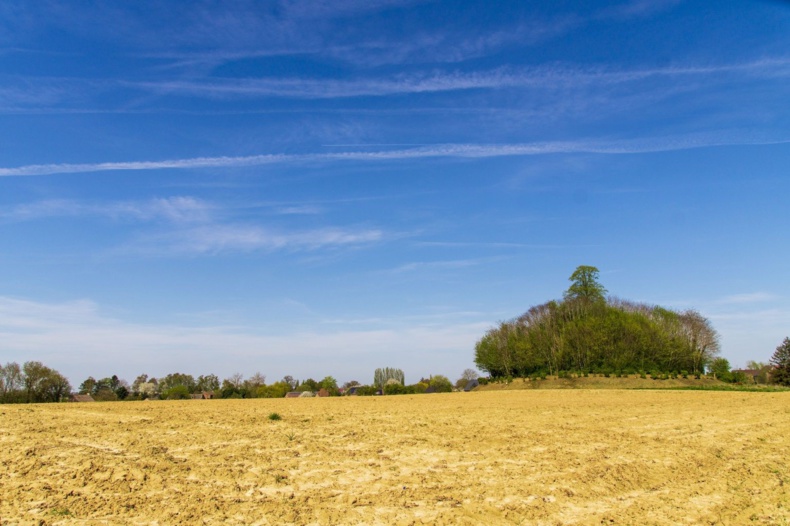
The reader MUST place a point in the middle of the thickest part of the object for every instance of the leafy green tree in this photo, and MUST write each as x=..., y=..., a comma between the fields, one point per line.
x=87, y=387
x=11, y=383
x=763, y=371
x=104, y=394
x=584, y=285
x=611, y=335
x=177, y=392
x=440, y=384
x=43, y=384
x=395, y=388
x=382, y=376
x=308, y=385
x=208, y=382
x=232, y=387
x=35, y=374
x=720, y=367
x=367, y=390
x=330, y=384
x=781, y=362
x=275, y=390
x=107, y=389
x=176, y=379
x=122, y=392
x=420, y=387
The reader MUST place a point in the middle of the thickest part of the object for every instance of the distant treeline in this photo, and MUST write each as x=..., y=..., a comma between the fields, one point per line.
x=34, y=382
x=585, y=332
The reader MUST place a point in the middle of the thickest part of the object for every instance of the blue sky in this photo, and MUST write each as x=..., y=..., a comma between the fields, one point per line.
x=324, y=188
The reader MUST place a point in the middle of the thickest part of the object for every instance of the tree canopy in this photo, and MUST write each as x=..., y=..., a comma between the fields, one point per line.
x=382, y=376
x=586, y=332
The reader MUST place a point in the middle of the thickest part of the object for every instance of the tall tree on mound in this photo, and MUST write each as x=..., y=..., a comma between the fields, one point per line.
x=781, y=360
x=585, y=285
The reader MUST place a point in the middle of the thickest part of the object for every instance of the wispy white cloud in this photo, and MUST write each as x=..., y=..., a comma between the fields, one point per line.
x=195, y=162
x=549, y=77
x=299, y=210
x=636, y=9
x=194, y=226
x=79, y=339
x=439, y=265
x=578, y=85
x=180, y=209
x=629, y=146
x=449, y=45
x=488, y=244
x=751, y=297
x=222, y=238
x=31, y=94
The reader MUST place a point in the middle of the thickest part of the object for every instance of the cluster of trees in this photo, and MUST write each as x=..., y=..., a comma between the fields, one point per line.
x=775, y=371
x=395, y=385
x=588, y=332
x=33, y=382
x=391, y=381
x=177, y=386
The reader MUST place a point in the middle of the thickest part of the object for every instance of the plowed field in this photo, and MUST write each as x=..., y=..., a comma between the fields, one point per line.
x=510, y=457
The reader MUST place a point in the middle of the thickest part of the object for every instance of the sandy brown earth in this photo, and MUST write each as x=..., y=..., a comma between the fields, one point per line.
x=509, y=457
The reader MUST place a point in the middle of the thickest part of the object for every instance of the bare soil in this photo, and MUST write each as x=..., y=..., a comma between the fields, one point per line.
x=504, y=457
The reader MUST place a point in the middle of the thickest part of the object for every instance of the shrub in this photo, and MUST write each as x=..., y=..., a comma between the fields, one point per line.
x=178, y=392
x=367, y=390
x=275, y=416
x=441, y=384
x=395, y=389
x=418, y=388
